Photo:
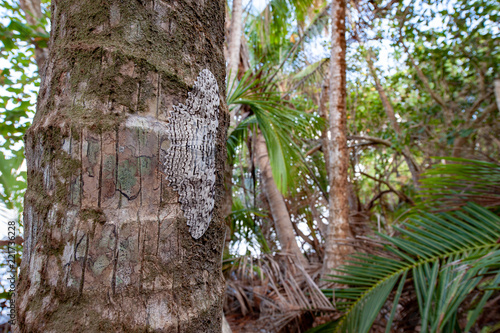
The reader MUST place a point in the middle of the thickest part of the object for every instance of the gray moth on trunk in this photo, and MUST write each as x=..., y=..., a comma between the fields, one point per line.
x=190, y=159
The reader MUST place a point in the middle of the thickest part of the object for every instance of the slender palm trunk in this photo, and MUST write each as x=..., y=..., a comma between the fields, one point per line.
x=497, y=92
x=107, y=244
x=282, y=222
x=336, y=144
x=233, y=61
x=235, y=40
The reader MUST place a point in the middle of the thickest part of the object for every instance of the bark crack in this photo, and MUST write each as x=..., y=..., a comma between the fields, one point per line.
x=115, y=260
x=84, y=265
x=158, y=95
x=100, y=175
x=117, y=149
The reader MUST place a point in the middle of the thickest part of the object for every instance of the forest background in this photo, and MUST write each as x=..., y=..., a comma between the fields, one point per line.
x=422, y=133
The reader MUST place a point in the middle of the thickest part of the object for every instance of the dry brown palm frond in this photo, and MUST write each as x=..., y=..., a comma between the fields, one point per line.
x=277, y=287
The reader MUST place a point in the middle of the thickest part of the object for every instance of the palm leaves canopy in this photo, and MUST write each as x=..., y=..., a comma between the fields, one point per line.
x=444, y=255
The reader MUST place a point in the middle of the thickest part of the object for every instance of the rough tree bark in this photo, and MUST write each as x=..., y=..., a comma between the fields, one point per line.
x=107, y=242
x=337, y=161
x=279, y=212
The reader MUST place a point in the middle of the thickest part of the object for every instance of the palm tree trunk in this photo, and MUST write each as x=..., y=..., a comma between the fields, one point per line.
x=337, y=161
x=233, y=61
x=113, y=158
x=282, y=222
x=235, y=40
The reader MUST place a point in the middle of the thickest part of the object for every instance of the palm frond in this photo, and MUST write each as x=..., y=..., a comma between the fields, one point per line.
x=447, y=255
x=243, y=220
x=238, y=136
x=271, y=39
x=268, y=31
x=313, y=73
x=282, y=124
x=451, y=185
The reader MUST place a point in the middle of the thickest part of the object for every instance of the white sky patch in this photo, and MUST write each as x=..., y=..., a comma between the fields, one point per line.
x=257, y=5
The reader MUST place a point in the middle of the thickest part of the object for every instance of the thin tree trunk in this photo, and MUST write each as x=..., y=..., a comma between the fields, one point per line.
x=282, y=222
x=234, y=52
x=235, y=40
x=458, y=146
x=497, y=92
x=111, y=245
x=233, y=61
x=389, y=110
x=336, y=143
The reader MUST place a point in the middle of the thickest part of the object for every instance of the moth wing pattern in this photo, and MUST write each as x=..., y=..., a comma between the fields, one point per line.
x=189, y=163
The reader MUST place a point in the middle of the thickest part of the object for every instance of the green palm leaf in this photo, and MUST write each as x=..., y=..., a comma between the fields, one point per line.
x=243, y=220
x=314, y=72
x=449, y=186
x=447, y=255
x=283, y=125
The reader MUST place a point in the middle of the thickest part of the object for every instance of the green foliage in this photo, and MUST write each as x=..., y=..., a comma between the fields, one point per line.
x=446, y=255
x=282, y=123
x=449, y=186
x=244, y=221
x=19, y=80
x=459, y=57
x=278, y=32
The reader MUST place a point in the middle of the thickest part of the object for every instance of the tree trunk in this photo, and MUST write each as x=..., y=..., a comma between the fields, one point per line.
x=233, y=60
x=497, y=92
x=389, y=110
x=337, y=161
x=123, y=229
x=458, y=146
x=282, y=222
x=235, y=41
